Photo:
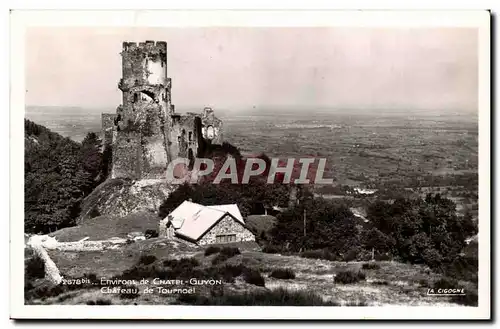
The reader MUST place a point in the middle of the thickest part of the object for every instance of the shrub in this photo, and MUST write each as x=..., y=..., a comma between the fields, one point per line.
x=230, y=251
x=182, y=262
x=320, y=254
x=143, y=271
x=469, y=299
x=370, y=266
x=129, y=292
x=432, y=258
x=282, y=273
x=231, y=271
x=364, y=255
x=224, y=254
x=446, y=283
x=383, y=257
x=254, y=277
x=271, y=249
x=182, y=268
x=463, y=268
x=351, y=255
x=94, y=212
x=149, y=234
x=423, y=282
x=99, y=301
x=348, y=277
x=147, y=259
x=35, y=267
x=277, y=297
x=211, y=250
x=47, y=291
x=91, y=276
x=381, y=283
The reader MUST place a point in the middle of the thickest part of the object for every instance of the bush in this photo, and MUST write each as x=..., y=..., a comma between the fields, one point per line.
x=211, y=250
x=143, y=271
x=348, y=277
x=381, y=283
x=432, y=258
x=224, y=254
x=469, y=299
x=99, y=301
x=131, y=292
x=446, y=283
x=320, y=254
x=271, y=249
x=147, y=259
x=182, y=262
x=423, y=283
x=351, y=255
x=254, y=277
x=94, y=212
x=231, y=271
x=370, y=266
x=46, y=291
x=149, y=234
x=182, y=268
x=277, y=297
x=383, y=257
x=230, y=251
x=35, y=267
x=91, y=276
x=283, y=273
x=463, y=268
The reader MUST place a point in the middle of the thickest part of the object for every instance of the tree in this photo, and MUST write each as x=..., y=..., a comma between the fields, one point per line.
x=328, y=225
x=423, y=230
x=59, y=173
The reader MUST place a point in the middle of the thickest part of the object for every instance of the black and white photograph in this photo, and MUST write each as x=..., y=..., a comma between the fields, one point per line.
x=340, y=165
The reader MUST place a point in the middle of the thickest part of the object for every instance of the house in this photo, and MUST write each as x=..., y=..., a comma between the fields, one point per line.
x=205, y=224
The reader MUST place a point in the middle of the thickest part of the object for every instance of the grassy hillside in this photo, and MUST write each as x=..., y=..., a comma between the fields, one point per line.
x=108, y=226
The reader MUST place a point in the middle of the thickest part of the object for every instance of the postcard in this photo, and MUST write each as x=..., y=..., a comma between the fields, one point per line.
x=250, y=165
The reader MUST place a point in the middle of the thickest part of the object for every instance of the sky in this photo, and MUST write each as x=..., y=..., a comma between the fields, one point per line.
x=235, y=69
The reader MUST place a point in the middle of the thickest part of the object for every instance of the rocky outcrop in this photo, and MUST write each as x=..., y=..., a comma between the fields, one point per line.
x=120, y=197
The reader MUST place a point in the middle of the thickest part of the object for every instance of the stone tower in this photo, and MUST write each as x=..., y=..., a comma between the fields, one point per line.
x=145, y=133
x=141, y=145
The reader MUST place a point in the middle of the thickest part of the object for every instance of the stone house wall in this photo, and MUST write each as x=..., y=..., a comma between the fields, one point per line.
x=227, y=225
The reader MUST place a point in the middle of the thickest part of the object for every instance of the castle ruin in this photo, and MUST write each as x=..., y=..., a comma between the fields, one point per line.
x=145, y=133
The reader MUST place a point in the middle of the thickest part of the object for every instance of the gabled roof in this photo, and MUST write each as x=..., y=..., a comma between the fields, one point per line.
x=193, y=220
x=231, y=209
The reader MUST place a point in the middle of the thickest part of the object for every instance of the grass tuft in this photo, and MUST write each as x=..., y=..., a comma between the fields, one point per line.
x=349, y=277
x=370, y=266
x=278, y=297
x=282, y=273
x=212, y=250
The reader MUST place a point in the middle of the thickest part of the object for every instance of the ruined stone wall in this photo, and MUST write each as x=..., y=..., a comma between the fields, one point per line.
x=211, y=126
x=108, y=126
x=144, y=63
x=184, y=134
x=227, y=225
x=127, y=156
